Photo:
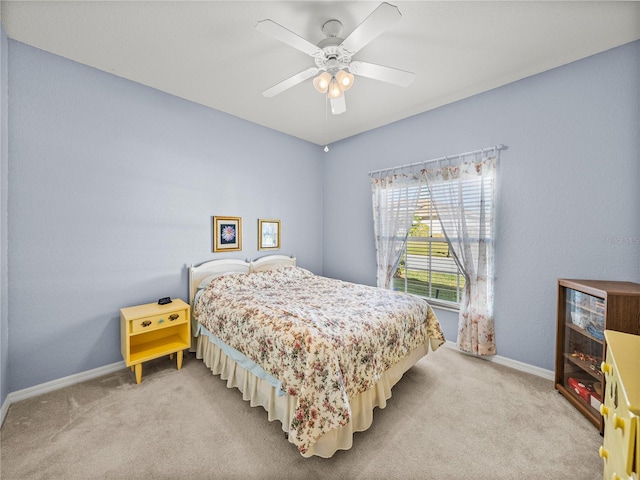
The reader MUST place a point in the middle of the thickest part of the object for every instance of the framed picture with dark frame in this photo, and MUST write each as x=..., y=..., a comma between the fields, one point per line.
x=227, y=234
x=268, y=234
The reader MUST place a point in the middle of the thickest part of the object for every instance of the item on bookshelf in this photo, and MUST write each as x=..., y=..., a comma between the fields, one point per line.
x=579, y=319
x=595, y=331
x=580, y=388
x=599, y=307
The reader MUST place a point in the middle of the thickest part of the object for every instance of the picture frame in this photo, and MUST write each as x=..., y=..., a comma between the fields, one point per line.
x=227, y=234
x=268, y=234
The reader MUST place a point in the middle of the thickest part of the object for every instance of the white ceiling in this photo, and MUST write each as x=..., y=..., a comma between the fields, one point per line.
x=209, y=52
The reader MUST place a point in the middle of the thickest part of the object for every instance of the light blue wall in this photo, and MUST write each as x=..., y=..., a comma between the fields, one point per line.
x=569, y=199
x=4, y=319
x=113, y=186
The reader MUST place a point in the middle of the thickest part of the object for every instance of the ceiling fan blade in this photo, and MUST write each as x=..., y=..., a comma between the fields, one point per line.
x=287, y=36
x=290, y=82
x=380, y=20
x=382, y=73
x=338, y=105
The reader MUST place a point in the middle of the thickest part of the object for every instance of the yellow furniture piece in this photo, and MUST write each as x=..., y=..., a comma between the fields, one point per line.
x=150, y=331
x=621, y=408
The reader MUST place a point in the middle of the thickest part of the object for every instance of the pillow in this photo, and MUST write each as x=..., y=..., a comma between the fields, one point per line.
x=204, y=283
x=277, y=265
x=269, y=267
x=284, y=272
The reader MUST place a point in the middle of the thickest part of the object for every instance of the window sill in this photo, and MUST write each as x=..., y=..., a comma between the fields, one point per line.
x=451, y=307
x=433, y=302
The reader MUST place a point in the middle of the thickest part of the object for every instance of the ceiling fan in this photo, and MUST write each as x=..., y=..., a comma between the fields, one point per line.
x=334, y=70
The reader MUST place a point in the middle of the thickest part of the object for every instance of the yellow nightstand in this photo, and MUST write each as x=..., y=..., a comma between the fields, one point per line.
x=621, y=408
x=150, y=331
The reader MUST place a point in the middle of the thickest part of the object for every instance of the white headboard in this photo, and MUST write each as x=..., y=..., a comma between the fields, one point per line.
x=271, y=262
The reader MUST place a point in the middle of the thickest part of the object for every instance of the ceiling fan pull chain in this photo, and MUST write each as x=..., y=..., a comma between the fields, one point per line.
x=326, y=123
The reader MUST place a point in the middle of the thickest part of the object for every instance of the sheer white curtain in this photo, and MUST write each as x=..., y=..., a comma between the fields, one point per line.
x=395, y=198
x=464, y=200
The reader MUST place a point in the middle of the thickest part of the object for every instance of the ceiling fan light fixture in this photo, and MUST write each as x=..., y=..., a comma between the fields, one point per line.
x=321, y=82
x=334, y=89
x=345, y=79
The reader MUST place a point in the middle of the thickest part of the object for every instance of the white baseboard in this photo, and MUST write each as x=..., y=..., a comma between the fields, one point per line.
x=107, y=369
x=515, y=364
x=56, y=385
x=4, y=409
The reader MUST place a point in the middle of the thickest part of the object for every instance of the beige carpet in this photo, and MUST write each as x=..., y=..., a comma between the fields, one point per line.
x=451, y=416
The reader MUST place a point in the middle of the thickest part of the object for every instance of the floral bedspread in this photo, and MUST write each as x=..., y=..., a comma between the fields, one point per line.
x=326, y=340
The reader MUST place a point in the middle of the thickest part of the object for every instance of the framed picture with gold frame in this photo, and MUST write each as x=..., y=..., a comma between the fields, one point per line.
x=227, y=234
x=268, y=234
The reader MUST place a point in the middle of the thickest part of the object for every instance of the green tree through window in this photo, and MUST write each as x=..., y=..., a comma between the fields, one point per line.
x=427, y=267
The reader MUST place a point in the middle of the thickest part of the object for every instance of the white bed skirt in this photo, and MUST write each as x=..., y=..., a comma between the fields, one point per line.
x=260, y=392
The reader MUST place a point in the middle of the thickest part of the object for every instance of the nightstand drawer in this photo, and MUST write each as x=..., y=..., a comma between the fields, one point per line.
x=157, y=321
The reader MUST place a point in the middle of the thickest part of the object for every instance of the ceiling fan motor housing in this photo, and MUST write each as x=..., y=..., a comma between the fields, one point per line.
x=333, y=59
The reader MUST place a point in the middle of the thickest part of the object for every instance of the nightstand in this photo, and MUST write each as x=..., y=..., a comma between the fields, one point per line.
x=150, y=331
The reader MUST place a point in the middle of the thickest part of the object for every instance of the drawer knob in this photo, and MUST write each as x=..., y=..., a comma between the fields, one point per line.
x=618, y=422
x=173, y=316
x=146, y=323
x=604, y=453
x=604, y=410
x=605, y=367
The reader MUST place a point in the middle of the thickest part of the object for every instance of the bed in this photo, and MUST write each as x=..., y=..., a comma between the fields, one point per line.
x=317, y=354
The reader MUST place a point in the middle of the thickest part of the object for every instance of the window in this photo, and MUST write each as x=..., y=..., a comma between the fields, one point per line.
x=413, y=254
x=427, y=267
